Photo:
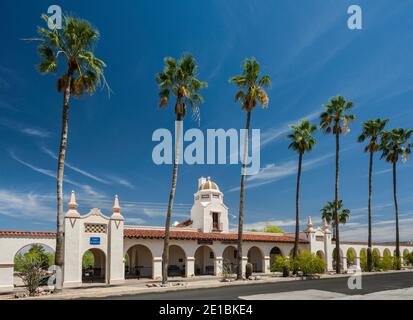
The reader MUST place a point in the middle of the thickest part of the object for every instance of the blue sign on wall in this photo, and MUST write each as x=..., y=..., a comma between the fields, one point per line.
x=94, y=240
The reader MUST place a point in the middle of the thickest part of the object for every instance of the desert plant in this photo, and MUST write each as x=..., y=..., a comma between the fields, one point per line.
x=251, y=91
x=228, y=269
x=74, y=45
x=32, y=273
x=372, y=130
x=178, y=79
x=335, y=119
x=395, y=146
x=281, y=264
x=309, y=263
x=387, y=263
x=248, y=270
x=302, y=141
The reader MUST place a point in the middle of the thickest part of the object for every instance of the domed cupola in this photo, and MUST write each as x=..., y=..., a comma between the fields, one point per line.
x=207, y=184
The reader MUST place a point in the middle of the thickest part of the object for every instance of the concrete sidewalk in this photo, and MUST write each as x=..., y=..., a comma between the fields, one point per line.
x=132, y=287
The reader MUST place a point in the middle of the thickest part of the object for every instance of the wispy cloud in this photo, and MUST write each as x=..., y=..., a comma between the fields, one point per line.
x=27, y=130
x=109, y=180
x=74, y=168
x=274, y=172
x=87, y=189
x=121, y=181
x=273, y=134
x=23, y=205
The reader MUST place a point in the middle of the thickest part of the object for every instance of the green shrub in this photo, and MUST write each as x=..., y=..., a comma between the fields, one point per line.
x=409, y=258
x=387, y=263
x=363, y=261
x=281, y=264
x=228, y=270
x=32, y=272
x=309, y=263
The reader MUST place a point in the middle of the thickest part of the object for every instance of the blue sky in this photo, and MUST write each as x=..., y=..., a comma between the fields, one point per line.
x=305, y=46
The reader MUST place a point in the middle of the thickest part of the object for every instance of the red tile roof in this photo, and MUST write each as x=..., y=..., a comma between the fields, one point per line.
x=13, y=233
x=191, y=235
x=178, y=235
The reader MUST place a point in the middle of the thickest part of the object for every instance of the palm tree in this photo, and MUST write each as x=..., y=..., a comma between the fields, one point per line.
x=394, y=144
x=250, y=92
x=372, y=129
x=335, y=120
x=327, y=212
x=74, y=45
x=178, y=78
x=302, y=141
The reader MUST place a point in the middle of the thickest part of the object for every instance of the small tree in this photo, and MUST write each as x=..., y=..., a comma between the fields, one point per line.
x=273, y=229
x=281, y=264
x=309, y=263
x=228, y=269
x=32, y=272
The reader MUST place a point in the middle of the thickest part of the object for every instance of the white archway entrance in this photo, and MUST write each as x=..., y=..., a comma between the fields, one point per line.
x=94, y=266
x=229, y=257
x=204, y=261
x=176, y=264
x=274, y=253
x=256, y=258
x=139, y=262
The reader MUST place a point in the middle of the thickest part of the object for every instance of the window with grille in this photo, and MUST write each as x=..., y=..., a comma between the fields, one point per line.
x=95, y=228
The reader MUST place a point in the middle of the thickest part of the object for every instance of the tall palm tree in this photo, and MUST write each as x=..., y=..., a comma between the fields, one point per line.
x=251, y=90
x=372, y=129
x=335, y=119
x=178, y=78
x=327, y=212
x=302, y=142
x=73, y=45
x=394, y=144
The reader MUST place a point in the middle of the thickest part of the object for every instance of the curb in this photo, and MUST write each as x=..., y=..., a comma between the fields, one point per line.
x=144, y=290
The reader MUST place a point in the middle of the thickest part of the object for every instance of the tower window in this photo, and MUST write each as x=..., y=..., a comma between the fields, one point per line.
x=215, y=221
x=205, y=196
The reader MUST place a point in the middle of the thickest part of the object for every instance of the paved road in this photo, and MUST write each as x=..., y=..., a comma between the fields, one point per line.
x=370, y=284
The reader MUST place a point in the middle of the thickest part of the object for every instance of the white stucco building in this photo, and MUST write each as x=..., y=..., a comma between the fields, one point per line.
x=199, y=245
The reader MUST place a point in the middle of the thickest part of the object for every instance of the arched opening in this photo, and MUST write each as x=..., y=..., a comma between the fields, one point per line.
x=351, y=257
x=176, y=264
x=204, y=261
x=138, y=263
x=334, y=259
x=94, y=266
x=405, y=253
x=376, y=258
x=255, y=257
x=363, y=260
x=43, y=254
x=229, y=259
x=274, y=253
x=386, y=253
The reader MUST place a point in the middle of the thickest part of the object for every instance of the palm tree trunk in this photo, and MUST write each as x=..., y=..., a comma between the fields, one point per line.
x=369, y=245
x=241, y=198
x=59, y=255
x=297, y=207
x=165, y=254
x=398, y=266
x=338, y=262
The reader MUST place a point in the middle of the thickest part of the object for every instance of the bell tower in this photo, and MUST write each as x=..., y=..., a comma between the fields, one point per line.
x=209, y=213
